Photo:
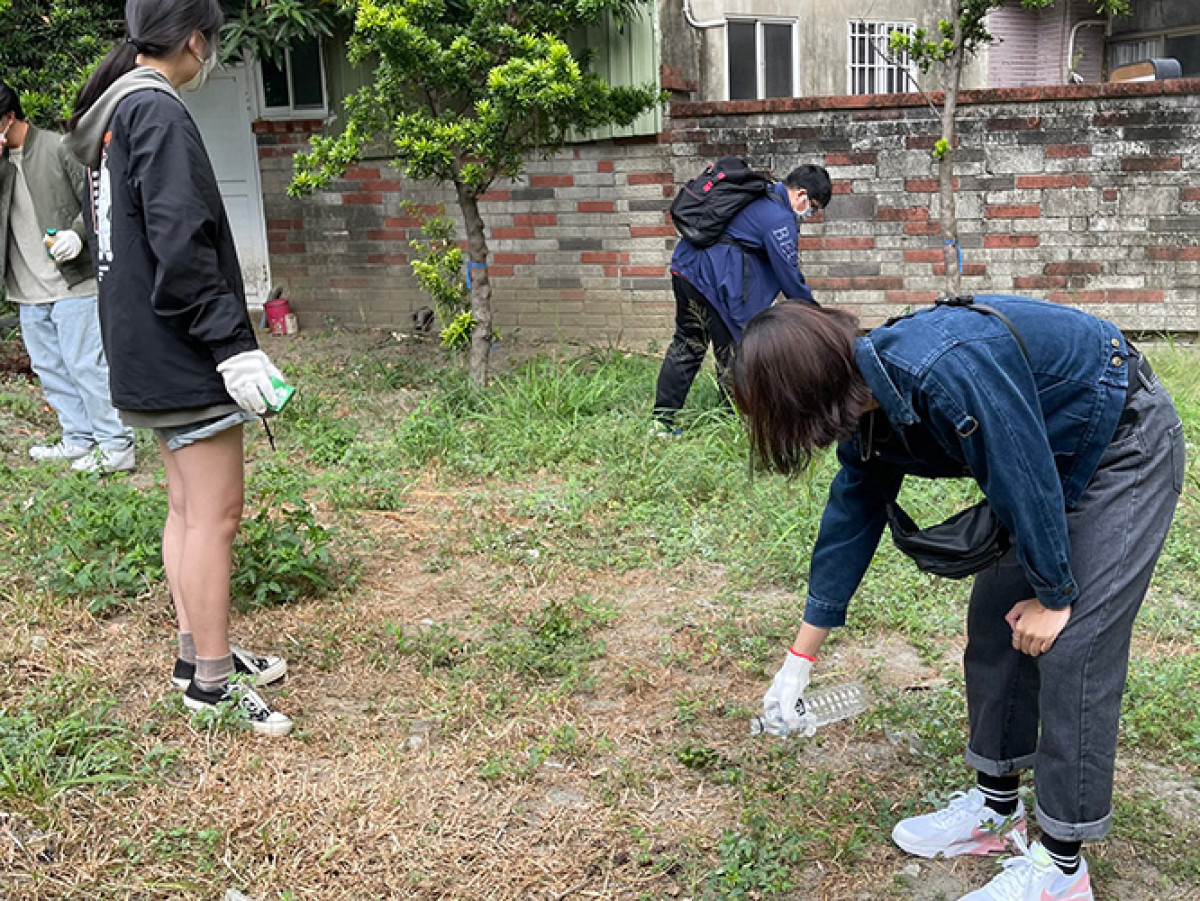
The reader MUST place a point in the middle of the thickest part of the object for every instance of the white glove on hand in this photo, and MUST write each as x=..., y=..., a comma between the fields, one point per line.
x=67, y=245
x=779, y=703
x=248, y=380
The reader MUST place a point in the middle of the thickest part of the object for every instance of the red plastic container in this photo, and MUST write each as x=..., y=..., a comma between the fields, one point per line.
x=277, y=311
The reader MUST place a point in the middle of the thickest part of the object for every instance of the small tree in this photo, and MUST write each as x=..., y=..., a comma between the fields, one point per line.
x=956, y=40
x=464, y=91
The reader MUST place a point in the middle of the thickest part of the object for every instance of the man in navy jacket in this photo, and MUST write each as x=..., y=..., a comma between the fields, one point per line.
x=719, y=289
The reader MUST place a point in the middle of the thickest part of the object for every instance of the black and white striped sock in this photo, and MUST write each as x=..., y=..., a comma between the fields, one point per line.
x=999, y=793
x=1065, y=855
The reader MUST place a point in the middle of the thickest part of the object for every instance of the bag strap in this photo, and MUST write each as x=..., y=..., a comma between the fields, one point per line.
x=969, y=302
x=747, y=250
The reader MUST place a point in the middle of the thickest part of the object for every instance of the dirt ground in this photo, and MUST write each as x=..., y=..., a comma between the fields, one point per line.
x=379, y=793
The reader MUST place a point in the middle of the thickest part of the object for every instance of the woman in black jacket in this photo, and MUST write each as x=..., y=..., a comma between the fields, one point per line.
x=183, y=357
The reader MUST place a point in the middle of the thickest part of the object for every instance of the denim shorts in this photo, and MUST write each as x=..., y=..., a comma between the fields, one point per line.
x=179, y=436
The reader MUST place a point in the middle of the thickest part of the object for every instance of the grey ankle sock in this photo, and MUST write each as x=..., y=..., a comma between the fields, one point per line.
x=213, y=672
x=187, y=647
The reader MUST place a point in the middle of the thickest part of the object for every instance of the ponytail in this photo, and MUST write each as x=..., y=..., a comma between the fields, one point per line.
x=121, y=59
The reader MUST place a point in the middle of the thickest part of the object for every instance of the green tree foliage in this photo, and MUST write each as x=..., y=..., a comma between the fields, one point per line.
x=48, y=48
x=263, y=29
x=437, y=263
x=464, y=91
x=946, y=50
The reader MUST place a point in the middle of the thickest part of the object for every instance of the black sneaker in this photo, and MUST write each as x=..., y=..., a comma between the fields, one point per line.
x=262, y=718
x=260, y=669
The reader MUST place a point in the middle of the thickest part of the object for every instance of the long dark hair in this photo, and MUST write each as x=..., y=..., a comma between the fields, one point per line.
x=796, y=383
x=156, y=28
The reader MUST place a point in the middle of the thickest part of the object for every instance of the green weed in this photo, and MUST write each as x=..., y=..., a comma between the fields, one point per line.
x=61, y=736
x=552, y=643
x=437, y=647
x=562, y=746
x=1172, y=842
x=84, y=537
x=282, y=553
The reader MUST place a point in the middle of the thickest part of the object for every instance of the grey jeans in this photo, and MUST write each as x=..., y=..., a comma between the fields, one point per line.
x=1073, y=692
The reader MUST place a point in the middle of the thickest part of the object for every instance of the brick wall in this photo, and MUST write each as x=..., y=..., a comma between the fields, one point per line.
x=1087, y=194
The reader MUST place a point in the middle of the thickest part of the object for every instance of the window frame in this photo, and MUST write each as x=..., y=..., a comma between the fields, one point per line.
x=1136, y=49
x=1150, y=44
x=760, y=67
x=905, y=71
x=290, y=112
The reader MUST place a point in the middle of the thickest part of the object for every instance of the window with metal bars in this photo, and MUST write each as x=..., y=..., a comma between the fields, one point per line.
x=872, y=66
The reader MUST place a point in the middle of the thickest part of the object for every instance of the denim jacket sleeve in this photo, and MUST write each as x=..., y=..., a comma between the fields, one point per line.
x=851, y=525
x=994, y=417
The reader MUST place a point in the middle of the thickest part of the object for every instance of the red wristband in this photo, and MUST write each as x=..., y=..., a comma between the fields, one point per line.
x=807, y=657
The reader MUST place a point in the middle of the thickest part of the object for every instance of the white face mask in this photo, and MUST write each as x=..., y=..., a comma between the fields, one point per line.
x=4, y=134
x=810, y=209
x=196, y=82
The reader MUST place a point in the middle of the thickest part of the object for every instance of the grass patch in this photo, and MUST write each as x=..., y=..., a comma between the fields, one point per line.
x=61, y=737
x=1161, y=710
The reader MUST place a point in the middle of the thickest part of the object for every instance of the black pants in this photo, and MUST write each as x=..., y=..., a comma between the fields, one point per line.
x=697, y=325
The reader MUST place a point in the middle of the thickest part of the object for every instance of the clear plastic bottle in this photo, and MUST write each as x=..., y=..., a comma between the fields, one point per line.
x=49, y=239
x=823, y=706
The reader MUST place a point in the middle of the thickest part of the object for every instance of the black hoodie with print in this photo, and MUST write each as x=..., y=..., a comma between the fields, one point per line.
x=172, y=303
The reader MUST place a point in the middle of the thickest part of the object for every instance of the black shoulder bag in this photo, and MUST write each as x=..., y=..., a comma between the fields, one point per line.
x=971, y=540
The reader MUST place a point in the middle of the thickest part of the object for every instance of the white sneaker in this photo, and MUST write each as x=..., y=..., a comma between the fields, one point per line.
x=64, y=450
x=1034, y=877
x=99, y=460
x=965, y=826
x=259, y=715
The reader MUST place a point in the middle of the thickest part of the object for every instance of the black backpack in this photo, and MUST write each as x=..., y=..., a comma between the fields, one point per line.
x=705, y=205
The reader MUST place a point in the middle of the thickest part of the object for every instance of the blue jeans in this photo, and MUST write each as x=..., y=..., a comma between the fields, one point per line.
x=63, y=340
x=1073, y=691
x=180, y=436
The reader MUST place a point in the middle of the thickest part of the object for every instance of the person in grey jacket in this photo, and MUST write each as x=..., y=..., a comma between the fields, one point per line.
x=51, y=279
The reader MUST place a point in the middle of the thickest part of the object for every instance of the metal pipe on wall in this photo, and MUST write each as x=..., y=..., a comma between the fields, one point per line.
x=691, y=20
x=1070, y=60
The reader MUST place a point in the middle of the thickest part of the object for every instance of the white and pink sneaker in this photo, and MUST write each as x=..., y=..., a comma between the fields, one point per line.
x=1034, y=877
x=965, y=826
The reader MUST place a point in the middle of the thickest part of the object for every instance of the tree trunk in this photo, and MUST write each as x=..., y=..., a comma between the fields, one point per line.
x=481, y=287
x=947, y=208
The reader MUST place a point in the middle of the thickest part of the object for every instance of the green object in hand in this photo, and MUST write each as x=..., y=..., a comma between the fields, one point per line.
x=51, y=236
x=283, y=393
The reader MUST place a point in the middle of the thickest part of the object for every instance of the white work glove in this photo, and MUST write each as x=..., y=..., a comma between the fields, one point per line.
x=779, y=703
x=248, y=379
x=66, y=246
